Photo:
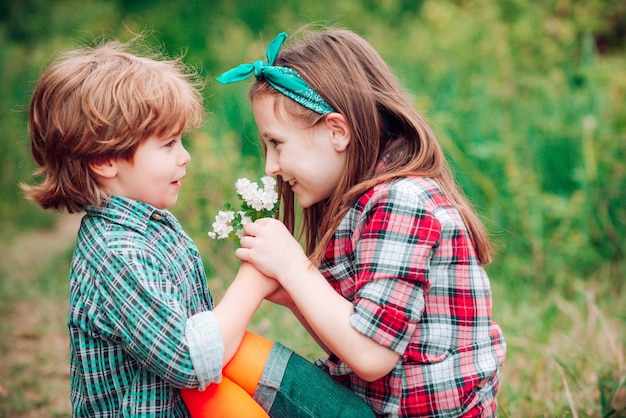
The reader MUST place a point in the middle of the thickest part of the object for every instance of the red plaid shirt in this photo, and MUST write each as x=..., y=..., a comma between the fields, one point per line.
x=403, y=257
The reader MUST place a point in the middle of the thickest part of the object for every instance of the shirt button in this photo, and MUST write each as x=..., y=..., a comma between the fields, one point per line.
x=156, y=216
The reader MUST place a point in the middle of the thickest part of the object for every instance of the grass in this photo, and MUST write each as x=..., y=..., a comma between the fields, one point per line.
x=558, y=288
x=533, y=121
x=565, y=354
x=33, y=335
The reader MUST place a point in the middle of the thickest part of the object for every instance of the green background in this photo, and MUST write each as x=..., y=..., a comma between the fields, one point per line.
x=527, y=99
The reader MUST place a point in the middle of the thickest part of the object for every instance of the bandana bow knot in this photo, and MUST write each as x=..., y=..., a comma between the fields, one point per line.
x=284, y=79
x=258, y=68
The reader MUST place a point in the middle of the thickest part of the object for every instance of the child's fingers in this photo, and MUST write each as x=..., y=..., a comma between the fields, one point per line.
x=243, y=254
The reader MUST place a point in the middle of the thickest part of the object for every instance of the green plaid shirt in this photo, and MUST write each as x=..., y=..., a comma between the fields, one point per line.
x=139, y=314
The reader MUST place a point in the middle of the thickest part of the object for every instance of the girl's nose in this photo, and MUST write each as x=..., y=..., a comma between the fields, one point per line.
x=271, y=166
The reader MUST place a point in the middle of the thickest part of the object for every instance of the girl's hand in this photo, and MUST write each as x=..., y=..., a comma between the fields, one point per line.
x=271, y=248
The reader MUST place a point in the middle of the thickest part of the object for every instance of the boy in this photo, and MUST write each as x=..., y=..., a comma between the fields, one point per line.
x=105, y=129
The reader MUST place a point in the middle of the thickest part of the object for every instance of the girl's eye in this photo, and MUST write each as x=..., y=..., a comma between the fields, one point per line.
x=274, y=143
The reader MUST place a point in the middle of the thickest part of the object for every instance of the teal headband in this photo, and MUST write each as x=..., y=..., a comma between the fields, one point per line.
x=284, y=79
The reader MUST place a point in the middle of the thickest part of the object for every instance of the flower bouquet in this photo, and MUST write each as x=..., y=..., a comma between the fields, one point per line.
x=256, y=202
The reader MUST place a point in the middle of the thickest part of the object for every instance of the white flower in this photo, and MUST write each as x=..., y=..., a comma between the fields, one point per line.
x=223, y=224
x=241, y=184
x=269, y=199
x=269, y=182
x=245, y=219
x=257, y=203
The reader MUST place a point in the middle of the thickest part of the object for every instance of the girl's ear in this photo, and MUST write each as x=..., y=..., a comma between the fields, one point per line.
x=105, y=168
x=339, y=129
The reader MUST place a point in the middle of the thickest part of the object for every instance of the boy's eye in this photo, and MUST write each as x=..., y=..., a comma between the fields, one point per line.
x=171, y=143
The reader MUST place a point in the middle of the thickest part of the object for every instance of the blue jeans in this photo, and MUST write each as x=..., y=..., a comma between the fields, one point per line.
x=292, y=387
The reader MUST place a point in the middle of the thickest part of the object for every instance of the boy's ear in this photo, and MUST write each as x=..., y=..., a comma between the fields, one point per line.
x=341, y=134
x=105, y=168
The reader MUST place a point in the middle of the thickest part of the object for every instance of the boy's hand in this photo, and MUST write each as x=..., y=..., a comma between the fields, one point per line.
x=257, y=280
x=281, y=297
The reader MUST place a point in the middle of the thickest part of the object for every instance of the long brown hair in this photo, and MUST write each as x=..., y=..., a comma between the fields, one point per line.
x=352, y=77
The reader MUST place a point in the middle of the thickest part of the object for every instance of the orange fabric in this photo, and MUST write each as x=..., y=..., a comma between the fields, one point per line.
x=248, y=363
x=233, y=396
x=222, y=400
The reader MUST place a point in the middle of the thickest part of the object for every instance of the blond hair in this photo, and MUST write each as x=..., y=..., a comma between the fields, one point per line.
x=353, y=79
x=102, y=102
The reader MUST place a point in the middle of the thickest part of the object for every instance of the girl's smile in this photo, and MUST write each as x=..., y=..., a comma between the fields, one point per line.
x=311, y=159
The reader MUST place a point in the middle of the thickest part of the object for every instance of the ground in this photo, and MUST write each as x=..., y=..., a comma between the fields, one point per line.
x=36, y=350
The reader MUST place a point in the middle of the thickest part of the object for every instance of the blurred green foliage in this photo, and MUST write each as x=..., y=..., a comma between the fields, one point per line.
x=527, y=99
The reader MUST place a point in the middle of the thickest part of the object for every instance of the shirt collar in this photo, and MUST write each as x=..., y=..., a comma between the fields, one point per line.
x=130, y=213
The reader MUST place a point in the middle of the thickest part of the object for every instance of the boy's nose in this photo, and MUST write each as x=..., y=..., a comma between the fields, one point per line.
x=185, y=157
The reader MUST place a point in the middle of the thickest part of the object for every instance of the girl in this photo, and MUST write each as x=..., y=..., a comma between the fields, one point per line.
x=391, y=284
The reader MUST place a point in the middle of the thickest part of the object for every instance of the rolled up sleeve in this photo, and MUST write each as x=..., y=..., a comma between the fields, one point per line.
x=206, y=348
